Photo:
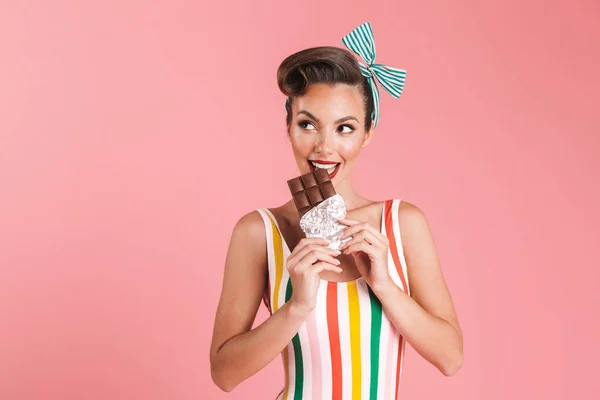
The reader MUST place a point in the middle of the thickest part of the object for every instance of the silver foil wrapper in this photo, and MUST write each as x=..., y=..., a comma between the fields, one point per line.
x=320, y=221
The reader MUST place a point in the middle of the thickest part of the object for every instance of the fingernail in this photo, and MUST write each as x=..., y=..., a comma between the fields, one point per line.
x=337, y=252
x=340, y=270
x=337, y=261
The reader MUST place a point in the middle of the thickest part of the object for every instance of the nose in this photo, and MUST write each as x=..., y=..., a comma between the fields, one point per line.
x=323, y=143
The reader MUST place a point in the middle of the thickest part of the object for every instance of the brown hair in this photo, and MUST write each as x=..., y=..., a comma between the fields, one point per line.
x=325, y=64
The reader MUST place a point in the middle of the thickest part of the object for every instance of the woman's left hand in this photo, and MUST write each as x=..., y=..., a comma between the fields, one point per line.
x=369, y=247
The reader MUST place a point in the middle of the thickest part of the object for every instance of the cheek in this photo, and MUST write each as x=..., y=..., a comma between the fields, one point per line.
x=301, y=143
x=301, y=139
x=349, y=149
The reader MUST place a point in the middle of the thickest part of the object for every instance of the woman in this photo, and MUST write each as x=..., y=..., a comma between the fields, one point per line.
x=339, y=319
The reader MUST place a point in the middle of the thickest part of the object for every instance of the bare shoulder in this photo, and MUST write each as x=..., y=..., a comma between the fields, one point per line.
x=249, y=231
x=249, y=238
x=418, y=245
x=414, y=228
x=251, y=224
x=410, y=214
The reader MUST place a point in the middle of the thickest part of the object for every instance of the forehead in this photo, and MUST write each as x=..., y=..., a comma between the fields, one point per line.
x=331, y=102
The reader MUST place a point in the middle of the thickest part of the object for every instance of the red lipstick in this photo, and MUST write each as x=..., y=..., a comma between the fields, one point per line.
x=312, y=168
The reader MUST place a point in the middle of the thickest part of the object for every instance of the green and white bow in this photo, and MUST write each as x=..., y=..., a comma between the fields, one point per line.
x=362, y=42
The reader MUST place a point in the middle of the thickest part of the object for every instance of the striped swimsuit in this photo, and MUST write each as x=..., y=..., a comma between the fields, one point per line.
x=347, y=348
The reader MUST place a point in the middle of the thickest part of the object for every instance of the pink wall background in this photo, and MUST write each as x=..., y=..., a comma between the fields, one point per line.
x=134, y=134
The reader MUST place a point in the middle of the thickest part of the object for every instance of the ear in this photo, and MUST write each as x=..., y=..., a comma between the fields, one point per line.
x=369, y=135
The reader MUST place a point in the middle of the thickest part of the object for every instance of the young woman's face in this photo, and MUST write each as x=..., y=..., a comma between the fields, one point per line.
x=328, y=126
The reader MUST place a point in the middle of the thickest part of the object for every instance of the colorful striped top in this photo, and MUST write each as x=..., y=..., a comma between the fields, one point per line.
x=347, y=348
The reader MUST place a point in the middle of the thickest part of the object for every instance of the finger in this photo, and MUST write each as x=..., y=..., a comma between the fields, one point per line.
x=348, y=221
x=322, y=266
x=312, y=258
x=355, y=228
x=365, y=231
x=359, y=240
x=375, y=239
x=313, y=247
x=301, y=262
x=308, y=241
x=353, y=240
x=361, y=246
x=369, y=238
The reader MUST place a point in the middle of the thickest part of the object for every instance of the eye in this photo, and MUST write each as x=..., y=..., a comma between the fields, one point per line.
x=348, y=126
x=303, y=125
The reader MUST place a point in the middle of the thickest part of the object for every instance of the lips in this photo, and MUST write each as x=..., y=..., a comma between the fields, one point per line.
x=331, y=175
x=332, y=163
x=324, y=162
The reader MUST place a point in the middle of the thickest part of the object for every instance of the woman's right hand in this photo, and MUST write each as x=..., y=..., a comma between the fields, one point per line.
x=307, y=260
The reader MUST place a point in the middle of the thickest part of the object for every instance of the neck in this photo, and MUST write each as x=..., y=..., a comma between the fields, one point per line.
x=351, y=198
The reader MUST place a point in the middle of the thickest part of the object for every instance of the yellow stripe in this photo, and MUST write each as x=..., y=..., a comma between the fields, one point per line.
x=354, y=309
x=278, y=249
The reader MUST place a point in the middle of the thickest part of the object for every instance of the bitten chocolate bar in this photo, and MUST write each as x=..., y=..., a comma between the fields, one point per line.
x=309, y=190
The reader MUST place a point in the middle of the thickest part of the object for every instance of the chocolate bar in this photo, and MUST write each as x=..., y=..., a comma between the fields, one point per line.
x=309, y=190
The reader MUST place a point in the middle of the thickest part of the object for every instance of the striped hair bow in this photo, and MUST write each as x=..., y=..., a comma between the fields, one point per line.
x=362, y=42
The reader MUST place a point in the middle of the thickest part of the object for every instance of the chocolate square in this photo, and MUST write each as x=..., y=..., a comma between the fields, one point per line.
x=322, y=176
x=314, y=195
x=301, y=200
x=309, y=190
x=327, y=189
x=309, y=180
x=295, y=186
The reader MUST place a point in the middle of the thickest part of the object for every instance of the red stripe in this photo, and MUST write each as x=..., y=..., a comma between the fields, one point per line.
x=334, y=342
x=389, y=228
x=398, y=366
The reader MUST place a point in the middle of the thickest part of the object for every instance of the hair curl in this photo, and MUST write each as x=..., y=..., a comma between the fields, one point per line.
x=325, y=64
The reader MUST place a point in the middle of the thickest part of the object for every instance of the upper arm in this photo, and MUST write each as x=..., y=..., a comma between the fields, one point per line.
x=244, y=281
x=427, y=284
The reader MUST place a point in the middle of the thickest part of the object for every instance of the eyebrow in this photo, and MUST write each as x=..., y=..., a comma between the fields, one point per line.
x=346, y=118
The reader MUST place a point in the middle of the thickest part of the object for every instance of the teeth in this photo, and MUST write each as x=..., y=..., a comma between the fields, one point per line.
x=324, y=166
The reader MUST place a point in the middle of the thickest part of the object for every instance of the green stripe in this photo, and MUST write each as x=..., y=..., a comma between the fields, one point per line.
x=362, y=42
x=297, y=353
x=375, y=338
